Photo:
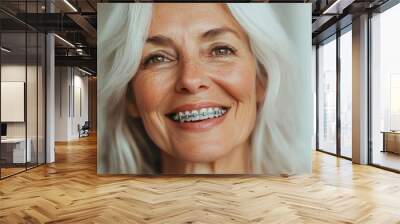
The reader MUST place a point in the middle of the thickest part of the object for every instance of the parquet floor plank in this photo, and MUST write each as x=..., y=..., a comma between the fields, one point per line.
x=70, y=191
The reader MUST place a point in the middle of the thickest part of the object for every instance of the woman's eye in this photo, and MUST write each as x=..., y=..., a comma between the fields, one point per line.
x=155, y=59
x=222, y=51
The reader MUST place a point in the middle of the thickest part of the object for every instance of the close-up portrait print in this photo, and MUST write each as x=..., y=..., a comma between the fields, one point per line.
x=204, y=88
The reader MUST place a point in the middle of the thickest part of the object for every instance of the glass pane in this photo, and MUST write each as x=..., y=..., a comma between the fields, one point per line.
x=327, y=97
x=13, y=86
x=31, y=86
x=313, y=84
x=31, y=97
x=41, y=98
x=386, y=89
x=23, y=89
x=346, y=94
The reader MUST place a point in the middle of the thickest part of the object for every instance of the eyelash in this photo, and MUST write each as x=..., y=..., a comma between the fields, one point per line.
x=148, y=59
x=231, y=51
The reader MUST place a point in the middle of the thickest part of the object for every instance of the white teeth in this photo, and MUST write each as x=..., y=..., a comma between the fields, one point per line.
x=203, y=114
x=196, y=115
x=217, y=112
x=187, y=116
x=210, y=112
x=181, y=116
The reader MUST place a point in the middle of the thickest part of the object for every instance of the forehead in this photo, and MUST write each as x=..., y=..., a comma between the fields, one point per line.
x=169, y=18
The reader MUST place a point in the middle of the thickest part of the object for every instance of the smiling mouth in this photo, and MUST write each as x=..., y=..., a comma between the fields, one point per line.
x=198, y=115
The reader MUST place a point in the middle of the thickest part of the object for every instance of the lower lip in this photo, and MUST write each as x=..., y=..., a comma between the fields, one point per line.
x=203, y=125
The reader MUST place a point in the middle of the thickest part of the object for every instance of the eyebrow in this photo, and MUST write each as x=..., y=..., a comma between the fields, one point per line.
x=210, y=34
x=160, y=40
x=213, y=33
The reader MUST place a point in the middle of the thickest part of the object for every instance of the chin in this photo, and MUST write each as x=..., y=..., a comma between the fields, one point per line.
x=203, y=153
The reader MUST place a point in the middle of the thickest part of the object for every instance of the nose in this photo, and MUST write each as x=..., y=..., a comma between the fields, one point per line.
x=192, y=78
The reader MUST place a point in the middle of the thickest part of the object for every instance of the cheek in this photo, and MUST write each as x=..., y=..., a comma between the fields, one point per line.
x=147, y=97
x=149, y=100
x=239, y=81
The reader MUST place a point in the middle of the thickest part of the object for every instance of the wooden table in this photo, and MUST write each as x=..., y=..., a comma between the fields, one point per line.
x=13, y=150
x=391, y=141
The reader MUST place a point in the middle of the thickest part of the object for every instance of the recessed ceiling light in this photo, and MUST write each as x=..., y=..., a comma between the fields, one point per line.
x=64, y=40
x=5, y=50
x=84, y=71
x=70, y=5
x=337, y=7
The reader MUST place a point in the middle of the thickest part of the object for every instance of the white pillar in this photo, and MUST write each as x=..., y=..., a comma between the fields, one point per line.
x=360, y=90
x=50, y=92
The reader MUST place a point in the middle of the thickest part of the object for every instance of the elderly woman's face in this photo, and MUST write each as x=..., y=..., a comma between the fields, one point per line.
x=196, y=89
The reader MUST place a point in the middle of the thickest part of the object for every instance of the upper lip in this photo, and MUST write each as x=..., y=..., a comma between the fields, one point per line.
x=196, y=106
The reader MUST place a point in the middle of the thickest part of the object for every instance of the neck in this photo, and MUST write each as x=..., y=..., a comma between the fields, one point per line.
x=236, y=162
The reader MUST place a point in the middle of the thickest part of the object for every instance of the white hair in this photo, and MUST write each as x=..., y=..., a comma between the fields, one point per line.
x=281, y=140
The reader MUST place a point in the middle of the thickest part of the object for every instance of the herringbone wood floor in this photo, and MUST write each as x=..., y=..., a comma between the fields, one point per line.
x=69, y=191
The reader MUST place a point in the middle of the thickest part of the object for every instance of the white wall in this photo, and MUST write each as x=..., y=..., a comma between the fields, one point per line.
x=12, y=73
x=70, y=83
x=33, y=127
x=61, y=103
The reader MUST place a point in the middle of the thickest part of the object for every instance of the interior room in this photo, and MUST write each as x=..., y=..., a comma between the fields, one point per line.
x=22, y=105
x=49, y=127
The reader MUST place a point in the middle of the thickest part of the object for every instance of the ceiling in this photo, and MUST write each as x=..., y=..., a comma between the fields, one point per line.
x=329, y=16
x=74, y=21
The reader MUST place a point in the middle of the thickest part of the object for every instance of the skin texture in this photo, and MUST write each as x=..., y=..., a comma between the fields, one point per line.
x=183, y=64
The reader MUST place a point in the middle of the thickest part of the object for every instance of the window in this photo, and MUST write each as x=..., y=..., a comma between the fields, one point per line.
x=385, y=88
x=313, y=84
x=346, y=94
x=327, y=97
